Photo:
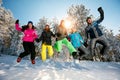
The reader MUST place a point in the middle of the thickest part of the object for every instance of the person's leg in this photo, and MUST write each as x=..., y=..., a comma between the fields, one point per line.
x=58, y=46
x=26, y=50
x=69, y=46
x=43, y=52
x=50, y=50
x=32, y=51
x=84, y=53
x=83, y=50
x=92, y=46
x=105, y=46
x=25, y=53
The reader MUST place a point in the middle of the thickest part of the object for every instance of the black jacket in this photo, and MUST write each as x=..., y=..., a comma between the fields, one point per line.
x=46, y=37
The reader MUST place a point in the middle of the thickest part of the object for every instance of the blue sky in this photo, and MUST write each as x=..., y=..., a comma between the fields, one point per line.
x=26, y=10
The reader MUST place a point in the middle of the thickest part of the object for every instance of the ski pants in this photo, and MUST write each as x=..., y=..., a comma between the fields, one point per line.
x=101, y=40
x=29, y=48
x=83, y=50
x=43, y=52
x=59, y=43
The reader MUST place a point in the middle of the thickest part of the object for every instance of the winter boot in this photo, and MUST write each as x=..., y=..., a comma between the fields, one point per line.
x=33, y=61
x=19, y=59
x=74, y=54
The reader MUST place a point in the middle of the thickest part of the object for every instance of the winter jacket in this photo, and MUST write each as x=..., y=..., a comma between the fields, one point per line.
x=29, y=34
x=93, y=30
x=46, y=37
x=61, y=32
x=76, y=39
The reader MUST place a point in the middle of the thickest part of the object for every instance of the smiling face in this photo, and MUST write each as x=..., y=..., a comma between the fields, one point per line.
x=89, y=21
x=47, y=28
x=30, y=25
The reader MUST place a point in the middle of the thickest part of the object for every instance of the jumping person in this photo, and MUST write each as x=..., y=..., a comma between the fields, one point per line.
x=28, y=40
x=62, y=40
x=94, y=33
x=78, y=43
x=46, y=42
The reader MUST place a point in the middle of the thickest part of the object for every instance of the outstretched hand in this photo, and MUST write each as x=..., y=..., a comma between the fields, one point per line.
x=100, y=9
x=17, y=21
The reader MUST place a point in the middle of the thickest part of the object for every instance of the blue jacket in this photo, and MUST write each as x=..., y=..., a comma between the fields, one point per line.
x=93, y=30
x=76, y=39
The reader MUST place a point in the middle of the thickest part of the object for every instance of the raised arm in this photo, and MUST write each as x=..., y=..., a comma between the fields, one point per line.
x=101, y=15
x=17, y=27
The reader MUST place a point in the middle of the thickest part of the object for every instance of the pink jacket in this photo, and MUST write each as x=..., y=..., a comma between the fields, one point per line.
x=29, y=34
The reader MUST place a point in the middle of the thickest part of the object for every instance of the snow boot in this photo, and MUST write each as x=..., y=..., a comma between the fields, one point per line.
x=74, y=54
x=19, y=59
x=33, y=61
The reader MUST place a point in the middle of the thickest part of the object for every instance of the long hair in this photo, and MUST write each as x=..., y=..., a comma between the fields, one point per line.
x=24, y=27
x=47, y=29
x=62, y=23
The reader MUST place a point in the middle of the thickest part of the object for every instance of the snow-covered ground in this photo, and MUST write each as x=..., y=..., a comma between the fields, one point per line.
x=51, y=70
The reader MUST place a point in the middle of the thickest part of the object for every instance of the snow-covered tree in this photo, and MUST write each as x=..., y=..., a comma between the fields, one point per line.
x=78, y=13
x=6, y=28
x=9, y=37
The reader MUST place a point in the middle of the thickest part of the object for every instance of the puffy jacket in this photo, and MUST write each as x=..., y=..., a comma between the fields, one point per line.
x=61, y=32
x=93, y=30
x=76, y=39
x=29, y=34
x=46, y=37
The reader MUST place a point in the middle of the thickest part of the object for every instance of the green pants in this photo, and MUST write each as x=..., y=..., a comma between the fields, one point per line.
x=59, y=43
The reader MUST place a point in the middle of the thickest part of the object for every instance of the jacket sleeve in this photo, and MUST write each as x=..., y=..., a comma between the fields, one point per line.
x=101, y=16
x=35, y=35
x=17, y=27
x=52, y=34
x=41, y=37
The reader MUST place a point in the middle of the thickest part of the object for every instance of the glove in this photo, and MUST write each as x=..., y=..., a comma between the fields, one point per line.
x=17, y=21
x=101, y=12
x=37, y=40
x=100, y=9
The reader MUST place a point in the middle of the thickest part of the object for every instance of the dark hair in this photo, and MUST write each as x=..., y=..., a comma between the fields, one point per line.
x=33, y=27
x=88, y=18
x=30, y=22
x=48, y=28
x=24, y=27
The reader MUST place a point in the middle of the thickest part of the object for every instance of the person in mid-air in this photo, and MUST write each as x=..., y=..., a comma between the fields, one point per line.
x=28, y=40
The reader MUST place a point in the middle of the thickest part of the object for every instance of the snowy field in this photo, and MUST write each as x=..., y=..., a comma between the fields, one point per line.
x=51, y=70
